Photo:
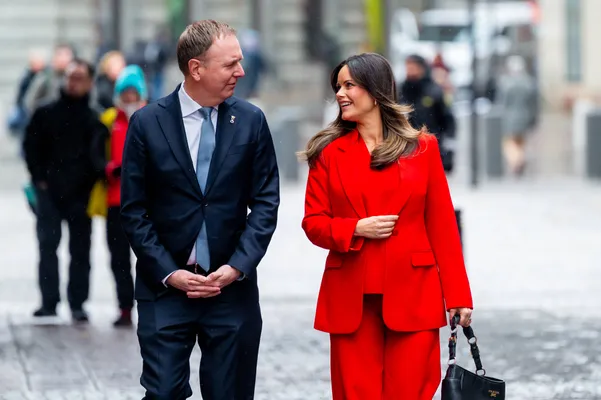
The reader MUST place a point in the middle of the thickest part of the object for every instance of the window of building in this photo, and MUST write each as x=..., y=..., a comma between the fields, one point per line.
x=573, y=41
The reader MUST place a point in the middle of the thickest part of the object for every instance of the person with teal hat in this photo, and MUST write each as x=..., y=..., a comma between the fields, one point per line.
x=131, y=94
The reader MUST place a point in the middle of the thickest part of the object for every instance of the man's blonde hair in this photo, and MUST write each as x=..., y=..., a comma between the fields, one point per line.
x=197, y=38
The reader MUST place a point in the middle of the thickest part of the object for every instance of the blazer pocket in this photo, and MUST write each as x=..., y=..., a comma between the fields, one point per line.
x=240, y=148
x=334, y=260
x=423, y=259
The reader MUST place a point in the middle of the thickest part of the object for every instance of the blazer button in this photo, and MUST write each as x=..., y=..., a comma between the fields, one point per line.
x=205, y=204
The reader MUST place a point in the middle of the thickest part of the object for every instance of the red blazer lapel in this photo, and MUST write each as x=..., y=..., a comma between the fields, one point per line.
x=351, y=172
x=404, y=192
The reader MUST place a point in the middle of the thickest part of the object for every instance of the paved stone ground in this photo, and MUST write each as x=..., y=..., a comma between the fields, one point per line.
x=541, y=357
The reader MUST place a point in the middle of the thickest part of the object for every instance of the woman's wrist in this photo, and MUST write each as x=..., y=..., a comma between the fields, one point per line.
x=358, y=231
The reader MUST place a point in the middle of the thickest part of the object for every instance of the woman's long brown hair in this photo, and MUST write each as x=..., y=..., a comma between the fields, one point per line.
x=373, y=73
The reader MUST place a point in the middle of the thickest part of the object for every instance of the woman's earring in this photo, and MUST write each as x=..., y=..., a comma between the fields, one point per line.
x=375, y=102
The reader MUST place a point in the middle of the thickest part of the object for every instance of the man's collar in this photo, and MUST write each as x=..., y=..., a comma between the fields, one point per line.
x=188, y=105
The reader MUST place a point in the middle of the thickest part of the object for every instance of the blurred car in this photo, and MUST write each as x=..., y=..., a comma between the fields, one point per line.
x=500, y=28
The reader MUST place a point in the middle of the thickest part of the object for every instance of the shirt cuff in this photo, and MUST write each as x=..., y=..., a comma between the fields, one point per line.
x=167, y=277
x=242, y=276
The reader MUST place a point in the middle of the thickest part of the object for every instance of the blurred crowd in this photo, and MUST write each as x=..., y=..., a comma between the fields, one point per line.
x=71, y=117
x=73, y=138
x=429, y=90
x=42, y=78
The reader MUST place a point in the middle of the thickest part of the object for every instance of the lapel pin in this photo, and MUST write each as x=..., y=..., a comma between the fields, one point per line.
x=232, y=119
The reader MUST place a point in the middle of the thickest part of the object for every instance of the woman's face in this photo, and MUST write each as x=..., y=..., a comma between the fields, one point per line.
x=354, y=101
x=114, y=66
x=130, y=102
x=129, y=96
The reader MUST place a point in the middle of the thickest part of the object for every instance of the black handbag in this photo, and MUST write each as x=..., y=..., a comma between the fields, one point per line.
x=461, y=384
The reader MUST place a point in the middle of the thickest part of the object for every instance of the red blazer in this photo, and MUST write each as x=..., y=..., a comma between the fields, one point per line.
x=425, y=272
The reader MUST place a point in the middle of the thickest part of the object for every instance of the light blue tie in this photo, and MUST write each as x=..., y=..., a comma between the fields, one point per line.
x=203, y=162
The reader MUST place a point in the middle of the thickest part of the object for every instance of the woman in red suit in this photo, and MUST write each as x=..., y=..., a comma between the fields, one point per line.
x=377, y=198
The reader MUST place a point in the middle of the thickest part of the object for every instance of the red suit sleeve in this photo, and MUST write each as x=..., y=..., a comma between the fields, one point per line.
x=322, y=228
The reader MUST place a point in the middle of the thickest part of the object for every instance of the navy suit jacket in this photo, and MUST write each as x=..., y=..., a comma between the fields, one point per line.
x=163, y=207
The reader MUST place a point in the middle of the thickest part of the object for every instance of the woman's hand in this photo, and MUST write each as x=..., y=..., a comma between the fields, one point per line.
x=464, y=313
x=378, y=227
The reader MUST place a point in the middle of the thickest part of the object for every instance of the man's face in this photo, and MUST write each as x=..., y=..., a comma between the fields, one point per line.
x=62, y=57
x=78, y=81
x=219, y=69
x=37, y=62
x=415, y=72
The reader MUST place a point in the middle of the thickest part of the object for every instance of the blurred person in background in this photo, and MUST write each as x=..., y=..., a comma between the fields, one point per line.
x=254, y=64
x=64, y=153
x=110, y=66
x=518, y=98
x=152, y=56
x=131, y=94
x=156, y=55
x=47, y=83
x=19, y=115
x=441, y=75
x=377, y=198
x=430, y=109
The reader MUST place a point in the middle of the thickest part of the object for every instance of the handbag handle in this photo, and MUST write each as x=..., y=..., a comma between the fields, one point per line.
x=471, y=339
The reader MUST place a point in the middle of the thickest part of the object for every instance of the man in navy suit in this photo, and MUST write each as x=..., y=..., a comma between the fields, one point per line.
x=194, y=163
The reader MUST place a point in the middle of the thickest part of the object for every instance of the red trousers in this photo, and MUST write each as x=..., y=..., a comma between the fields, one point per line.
x=375, y=363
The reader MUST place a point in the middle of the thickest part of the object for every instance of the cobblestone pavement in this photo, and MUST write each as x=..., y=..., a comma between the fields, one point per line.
x=540, y=356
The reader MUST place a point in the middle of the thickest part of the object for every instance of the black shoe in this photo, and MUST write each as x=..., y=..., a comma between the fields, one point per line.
x=124, y=320
x=79, y=316
x=45, y=312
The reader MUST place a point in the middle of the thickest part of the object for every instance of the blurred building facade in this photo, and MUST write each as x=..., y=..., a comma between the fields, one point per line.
x=566, y=67
x=569, y=59
x=37, y=26
x=92, y=26
x=286, y=27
